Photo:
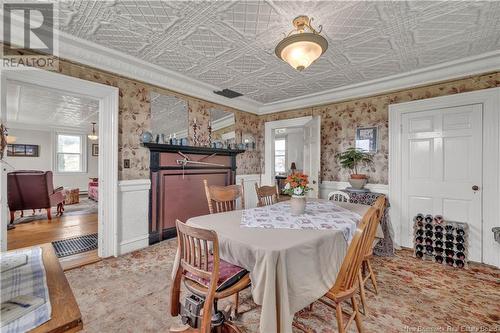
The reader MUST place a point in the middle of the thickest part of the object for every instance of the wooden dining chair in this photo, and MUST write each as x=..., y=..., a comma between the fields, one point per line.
x=339, y=196
x=205, y=275
x=223, y=198
x=379, y=205
x=267, y=195
x=346, y=285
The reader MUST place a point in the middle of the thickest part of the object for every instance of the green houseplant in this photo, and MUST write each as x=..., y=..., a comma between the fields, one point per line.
x=353, y=159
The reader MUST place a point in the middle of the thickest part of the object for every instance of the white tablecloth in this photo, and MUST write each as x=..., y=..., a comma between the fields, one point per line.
x=289, y=268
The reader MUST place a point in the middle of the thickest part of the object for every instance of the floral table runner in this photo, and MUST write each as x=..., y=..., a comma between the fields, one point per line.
x=319, y=215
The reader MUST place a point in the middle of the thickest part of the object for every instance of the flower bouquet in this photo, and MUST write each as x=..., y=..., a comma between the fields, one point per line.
x=296, y=185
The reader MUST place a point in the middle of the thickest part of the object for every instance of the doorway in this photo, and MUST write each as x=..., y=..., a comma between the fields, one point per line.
x=293, y=145
x=106, y=147
x=444, y=161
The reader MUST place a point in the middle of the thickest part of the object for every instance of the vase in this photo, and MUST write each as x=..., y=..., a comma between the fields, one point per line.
x=357, y=183
x=297, y=204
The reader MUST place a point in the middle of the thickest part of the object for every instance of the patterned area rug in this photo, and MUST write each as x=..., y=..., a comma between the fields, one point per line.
x=131, y=294
x=84, y=207
x=75, y=245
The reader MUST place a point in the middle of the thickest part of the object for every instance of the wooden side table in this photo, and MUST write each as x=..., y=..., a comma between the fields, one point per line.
x=66, y=316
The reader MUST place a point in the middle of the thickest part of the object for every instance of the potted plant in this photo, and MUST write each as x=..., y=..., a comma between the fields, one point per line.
x=296, y=185
x=352, y=159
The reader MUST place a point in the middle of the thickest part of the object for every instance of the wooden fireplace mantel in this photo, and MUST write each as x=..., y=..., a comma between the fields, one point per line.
x=177, y=190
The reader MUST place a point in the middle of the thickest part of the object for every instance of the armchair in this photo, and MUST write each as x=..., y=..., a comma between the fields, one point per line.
x=33, y=190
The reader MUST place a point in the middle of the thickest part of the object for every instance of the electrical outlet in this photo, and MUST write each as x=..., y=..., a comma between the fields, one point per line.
x=126, y=163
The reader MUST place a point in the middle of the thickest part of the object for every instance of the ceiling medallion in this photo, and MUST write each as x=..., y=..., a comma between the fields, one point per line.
x=300, y=48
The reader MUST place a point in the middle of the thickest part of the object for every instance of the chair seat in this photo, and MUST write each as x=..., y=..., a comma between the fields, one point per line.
x=229, y=275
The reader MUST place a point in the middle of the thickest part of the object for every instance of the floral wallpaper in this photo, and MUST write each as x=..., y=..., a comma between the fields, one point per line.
x=339, y=121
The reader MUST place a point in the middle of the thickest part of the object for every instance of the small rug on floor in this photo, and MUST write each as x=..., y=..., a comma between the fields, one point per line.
x=75, y=245
x=85, y=206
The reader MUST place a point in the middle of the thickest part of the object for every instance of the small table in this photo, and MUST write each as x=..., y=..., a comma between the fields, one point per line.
x=66, y=316
x=71, y=196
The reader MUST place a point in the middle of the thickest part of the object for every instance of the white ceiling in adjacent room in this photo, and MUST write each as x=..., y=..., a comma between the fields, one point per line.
x=230, y=44
x=46, y=108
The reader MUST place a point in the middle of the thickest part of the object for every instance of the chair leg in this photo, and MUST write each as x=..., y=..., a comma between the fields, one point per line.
x=12, y=215
x=372, y=276
x=357, y=317
x=362, y=293
x=236, y=303
x=340, y=319
x=49, y=214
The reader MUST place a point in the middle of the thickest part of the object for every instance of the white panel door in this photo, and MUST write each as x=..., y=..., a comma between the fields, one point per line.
x=312, y=154
x=441, y=167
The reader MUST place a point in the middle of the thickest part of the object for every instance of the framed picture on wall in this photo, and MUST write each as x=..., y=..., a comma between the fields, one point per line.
x=95, y=149
x=367, y=139
x=21, y=150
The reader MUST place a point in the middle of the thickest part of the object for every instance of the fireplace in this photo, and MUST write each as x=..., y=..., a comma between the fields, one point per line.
x=177, y=192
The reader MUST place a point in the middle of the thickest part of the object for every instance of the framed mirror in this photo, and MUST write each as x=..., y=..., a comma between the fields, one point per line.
x=169, y=119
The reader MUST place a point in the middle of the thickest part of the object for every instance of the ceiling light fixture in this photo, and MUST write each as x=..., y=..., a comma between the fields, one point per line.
x=300, y=48
x=93, y=135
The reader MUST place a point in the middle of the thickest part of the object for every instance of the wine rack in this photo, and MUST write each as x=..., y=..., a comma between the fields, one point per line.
x=444, y=242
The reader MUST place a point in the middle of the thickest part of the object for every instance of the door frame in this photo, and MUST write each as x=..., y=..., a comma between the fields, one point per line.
x=490, y=99
x=108, y=148
x=270, y=126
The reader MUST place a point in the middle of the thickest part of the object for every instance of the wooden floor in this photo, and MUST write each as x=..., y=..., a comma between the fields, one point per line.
x=45, y=231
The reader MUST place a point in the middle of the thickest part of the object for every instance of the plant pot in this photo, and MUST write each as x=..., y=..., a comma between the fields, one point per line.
x=358, y=184
x=297, y=205
x=358, y=176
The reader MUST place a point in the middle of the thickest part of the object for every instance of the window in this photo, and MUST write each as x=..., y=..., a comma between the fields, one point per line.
x=70, y=153
x=280, y=156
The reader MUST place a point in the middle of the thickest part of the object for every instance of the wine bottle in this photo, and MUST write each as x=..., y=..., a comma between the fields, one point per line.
x=438, y=219
x=460, y=239
x=449, y=261
x=439, y=259
x=438, y=250
x=419, y=254
x=420, y=232
x=419, y=247
x=449, y=245
x=438, y=235
x=419, y=239
x=428, y=241
x=449, y=237
x=449, y=253
x=428, y=219
x=428, y=226
x=460, y=247
x=429, y=249
x=459, y=263
x=438, y=243
x=429, y=233
x=460, y=231
x=461, y=255
x=449, y=228
x=438, y=228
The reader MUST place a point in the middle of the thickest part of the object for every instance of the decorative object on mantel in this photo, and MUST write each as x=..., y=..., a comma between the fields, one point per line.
x=300, y=48
x=146, y=137
x=353, y=158
x=195, y=134
x=248, y=140
x=93, y=135
x=441, y=241
x=296, y=185
x=95, y=149
x=293, y=168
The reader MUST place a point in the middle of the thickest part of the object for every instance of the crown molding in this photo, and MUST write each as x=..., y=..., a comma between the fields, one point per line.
x=483, y=63
x=91, y=54
x=94, y=55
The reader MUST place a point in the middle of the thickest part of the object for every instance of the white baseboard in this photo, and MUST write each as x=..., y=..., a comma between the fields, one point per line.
x=133, y=214
x=133, y=244
x=330, y=186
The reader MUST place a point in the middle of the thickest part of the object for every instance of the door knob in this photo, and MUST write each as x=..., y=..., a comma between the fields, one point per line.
x=475, y=188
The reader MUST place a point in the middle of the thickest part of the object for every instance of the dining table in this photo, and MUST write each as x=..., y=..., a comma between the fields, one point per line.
x=289, y=267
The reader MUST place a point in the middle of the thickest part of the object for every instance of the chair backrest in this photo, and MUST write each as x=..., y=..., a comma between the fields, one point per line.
x=339, y=196
x=347, y=277
x=29, y=189
x=198, y=251
x=223, y=198
x=380, y=204
x=267, y=195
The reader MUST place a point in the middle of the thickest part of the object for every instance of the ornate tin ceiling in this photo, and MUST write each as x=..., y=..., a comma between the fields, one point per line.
x=230, y=44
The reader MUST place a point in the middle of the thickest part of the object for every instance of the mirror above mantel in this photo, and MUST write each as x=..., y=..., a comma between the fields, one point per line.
x=169, y=116
x=223, y=127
